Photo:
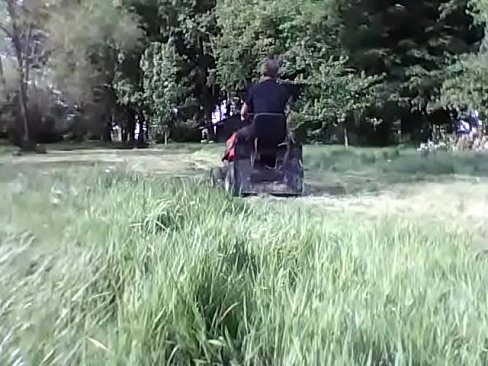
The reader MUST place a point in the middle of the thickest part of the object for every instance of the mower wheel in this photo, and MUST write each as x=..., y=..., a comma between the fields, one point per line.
x=217, y=176
x=230, y=184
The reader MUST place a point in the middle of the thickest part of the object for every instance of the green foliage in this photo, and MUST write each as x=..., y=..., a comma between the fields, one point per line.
x=187, y=25
x=160, y=67
x=467, y=85
x=306, y=36
x=411, y=44
x=23, y=24
x=84, y=39
x=355, y=59
x=333, y=92
x=249, y=31
x=467, y=81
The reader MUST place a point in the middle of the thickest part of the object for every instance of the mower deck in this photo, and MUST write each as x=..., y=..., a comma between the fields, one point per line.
x=241, y=178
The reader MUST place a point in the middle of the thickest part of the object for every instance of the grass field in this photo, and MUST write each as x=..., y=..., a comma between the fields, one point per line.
x=118, y=258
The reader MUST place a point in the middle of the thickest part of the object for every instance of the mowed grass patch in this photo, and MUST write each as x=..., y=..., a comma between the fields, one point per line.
x=395, y=160
x=329, y=170
x=339, y=171
x=110, y=267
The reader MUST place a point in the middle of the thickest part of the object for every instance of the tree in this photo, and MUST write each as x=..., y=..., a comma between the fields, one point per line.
x=411, y=43
x=306, y=35
x=23, y=25
x=8, y=90
x=85, y=40
x=160, y=66
x=191, y=24
x=133, y=59
x=188, y=25
x=466, y=84
x=333, y=94
x=250, y=31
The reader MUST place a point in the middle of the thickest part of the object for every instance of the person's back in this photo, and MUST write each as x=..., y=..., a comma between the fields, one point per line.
x=267, y=96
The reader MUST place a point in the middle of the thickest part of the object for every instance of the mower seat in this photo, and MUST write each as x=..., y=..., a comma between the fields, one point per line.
x=270, y=134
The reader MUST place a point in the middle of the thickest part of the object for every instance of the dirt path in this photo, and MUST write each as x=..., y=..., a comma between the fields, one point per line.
x=150, y=160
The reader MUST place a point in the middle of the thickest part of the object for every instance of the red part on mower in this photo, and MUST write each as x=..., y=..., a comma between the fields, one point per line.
x=230, y=149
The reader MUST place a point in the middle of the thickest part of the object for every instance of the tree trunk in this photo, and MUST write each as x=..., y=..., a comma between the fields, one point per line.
x=23, y=96
x=107, y=131
x=124, y=134
x=228, y=106
x=346, y=137
x=131, y=124
x=107, y=123
x=210, y=125
x=147, y=130
x=142, y=138
x=25, y=114
x=123, y=124
x=23, y=64
x=2, y=73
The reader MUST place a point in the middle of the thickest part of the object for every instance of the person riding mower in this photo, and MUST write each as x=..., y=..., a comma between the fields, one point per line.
x=260, y=156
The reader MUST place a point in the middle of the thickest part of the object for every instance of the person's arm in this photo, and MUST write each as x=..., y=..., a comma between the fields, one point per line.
x=247, y=107
x=287, y=111
x=244, y=112
x=288, y=105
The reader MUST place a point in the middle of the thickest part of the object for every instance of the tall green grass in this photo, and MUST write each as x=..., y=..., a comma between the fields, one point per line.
x=112, y=268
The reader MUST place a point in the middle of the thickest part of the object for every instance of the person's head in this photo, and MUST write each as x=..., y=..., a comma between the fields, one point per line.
x=271, y=68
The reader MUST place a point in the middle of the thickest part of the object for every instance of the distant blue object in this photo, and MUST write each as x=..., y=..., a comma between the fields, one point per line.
x=463, y=127
x=470, y=124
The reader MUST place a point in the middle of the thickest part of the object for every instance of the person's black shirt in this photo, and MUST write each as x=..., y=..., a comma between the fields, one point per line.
x=267, y=97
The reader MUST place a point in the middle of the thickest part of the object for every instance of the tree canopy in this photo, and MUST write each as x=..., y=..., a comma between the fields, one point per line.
x=162, y=63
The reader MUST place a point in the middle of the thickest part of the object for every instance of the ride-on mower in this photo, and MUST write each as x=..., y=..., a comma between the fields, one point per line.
x=271, y=163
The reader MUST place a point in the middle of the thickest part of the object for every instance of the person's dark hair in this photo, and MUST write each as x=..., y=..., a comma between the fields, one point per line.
x=271, y=67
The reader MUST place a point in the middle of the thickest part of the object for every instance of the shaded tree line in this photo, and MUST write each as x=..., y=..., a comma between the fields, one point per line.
x=369, y=72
